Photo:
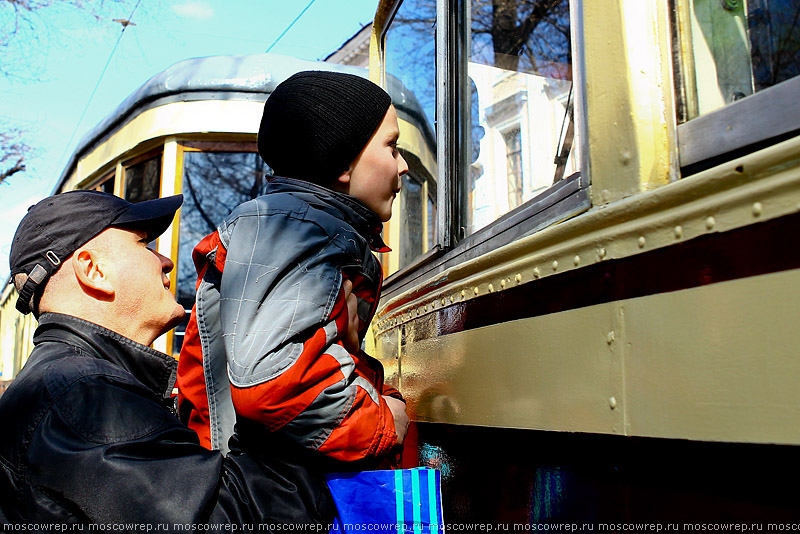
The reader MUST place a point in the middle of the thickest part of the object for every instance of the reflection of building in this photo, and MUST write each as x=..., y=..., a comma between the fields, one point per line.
x=521, y=117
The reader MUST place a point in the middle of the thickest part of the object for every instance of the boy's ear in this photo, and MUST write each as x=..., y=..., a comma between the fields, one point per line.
x=91, y=273
x=342, y=182
x=344, y=178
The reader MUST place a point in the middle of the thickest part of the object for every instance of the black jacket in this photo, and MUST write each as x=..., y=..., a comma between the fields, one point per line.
x=89, y=436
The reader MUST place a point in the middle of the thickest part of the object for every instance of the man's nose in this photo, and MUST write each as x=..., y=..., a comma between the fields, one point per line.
x=166, y=264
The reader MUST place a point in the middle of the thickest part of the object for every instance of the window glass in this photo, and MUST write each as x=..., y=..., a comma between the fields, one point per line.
x=106, y=184
x=213, y=184
x=412, y=236
x=410, y=57
x=520, y=102
x=143, y=180
x=739, y=47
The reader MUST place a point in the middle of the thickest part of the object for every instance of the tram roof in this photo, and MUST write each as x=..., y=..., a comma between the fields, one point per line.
x=245, y=77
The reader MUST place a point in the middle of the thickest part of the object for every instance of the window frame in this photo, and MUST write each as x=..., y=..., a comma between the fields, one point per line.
x=758, y=120
x=564, y=199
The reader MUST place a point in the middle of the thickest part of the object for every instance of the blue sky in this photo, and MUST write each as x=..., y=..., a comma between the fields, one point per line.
x=68, y=51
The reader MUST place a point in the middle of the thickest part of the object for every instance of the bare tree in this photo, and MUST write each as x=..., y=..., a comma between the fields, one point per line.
x=517, y=35
x=13, y=152
x=26, y=28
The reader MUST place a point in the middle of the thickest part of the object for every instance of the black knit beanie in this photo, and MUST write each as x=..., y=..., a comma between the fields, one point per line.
x=315, y=123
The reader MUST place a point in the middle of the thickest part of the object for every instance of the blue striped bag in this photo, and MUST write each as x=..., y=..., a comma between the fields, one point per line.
x=402, y=501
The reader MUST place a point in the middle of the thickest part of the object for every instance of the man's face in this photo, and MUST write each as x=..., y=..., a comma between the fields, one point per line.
x=375, y=173
x=141, y=284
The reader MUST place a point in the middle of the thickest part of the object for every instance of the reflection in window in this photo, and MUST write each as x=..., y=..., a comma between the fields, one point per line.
x=739, y=47
x=106, y=184
x=513, y=141
x=411, y=80
x=213, y=184
x=415, y=212
x=520, y=67
x=143, y=180
x=411, y=53
x=411, y=212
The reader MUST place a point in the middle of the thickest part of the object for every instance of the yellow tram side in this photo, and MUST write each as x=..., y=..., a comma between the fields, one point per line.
x=630, y=351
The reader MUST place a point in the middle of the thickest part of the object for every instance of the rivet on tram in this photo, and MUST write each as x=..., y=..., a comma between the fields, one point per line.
x=491, y=288
x=518, y=278
x=757, y=209
x=576, y=260
x=503, y=283
x=678, y=232
x=476, y=290
x=612, y=402
x=555, y=265
x=710, y=223
x=601, y=254
x=642, y=241
x=536, y=272
x=610, y=337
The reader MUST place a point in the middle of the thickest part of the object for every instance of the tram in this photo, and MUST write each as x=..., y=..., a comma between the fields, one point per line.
x=592, y=301
x=603, y=327
x=192, y=129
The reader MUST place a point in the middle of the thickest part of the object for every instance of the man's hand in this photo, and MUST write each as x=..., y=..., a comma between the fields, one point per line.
x=398, y=409
x=351, y=342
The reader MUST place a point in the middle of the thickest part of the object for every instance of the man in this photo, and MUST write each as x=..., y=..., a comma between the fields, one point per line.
x=89, y=432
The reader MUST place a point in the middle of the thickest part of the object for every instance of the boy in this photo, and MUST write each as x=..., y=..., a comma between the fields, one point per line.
x=271, y=342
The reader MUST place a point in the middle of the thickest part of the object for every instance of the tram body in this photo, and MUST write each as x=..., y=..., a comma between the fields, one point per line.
x=605, y=327
x=592, y=301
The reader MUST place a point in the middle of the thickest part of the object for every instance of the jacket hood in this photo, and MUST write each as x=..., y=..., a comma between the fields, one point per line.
x=365, y=221
x=154, y=369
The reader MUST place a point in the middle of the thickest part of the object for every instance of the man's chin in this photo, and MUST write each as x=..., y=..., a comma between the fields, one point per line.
x=175, y=320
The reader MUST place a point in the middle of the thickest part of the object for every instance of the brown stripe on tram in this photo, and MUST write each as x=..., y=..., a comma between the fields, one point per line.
x=744, y=252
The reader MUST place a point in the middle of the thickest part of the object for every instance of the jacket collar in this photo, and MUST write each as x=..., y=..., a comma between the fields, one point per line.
x=365, y=221
x=155, y=370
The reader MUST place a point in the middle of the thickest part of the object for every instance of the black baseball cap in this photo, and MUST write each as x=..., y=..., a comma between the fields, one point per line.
x=60, y=224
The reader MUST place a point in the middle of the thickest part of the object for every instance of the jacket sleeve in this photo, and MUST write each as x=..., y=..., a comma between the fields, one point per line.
x=113, y=454
x=283, y=321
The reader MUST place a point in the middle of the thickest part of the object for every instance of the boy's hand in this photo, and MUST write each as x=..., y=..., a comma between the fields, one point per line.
x=351, y=342
x=398, y=409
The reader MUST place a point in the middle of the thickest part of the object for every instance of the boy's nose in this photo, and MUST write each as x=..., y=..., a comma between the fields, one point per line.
x=402, y=165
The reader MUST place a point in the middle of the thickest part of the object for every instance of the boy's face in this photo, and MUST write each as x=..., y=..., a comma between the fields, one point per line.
x=374, y=176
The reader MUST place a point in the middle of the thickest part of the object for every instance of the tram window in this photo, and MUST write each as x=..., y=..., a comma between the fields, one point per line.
x=143, y=179
x=411, y=212
x=738, y=76
x=738, y=48
x=410, y=57
x=105, y=184
x=520, y=68
x=214, y=183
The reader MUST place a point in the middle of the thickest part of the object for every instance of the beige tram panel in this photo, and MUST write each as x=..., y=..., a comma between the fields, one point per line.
x=715, y=363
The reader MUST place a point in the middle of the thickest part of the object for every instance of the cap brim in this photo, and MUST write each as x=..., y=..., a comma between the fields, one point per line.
x=152, y=216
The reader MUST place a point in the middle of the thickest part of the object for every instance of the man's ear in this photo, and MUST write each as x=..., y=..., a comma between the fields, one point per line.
x=91, y=274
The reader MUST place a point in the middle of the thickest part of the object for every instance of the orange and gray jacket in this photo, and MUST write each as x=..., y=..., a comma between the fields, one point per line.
x=264, y=341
